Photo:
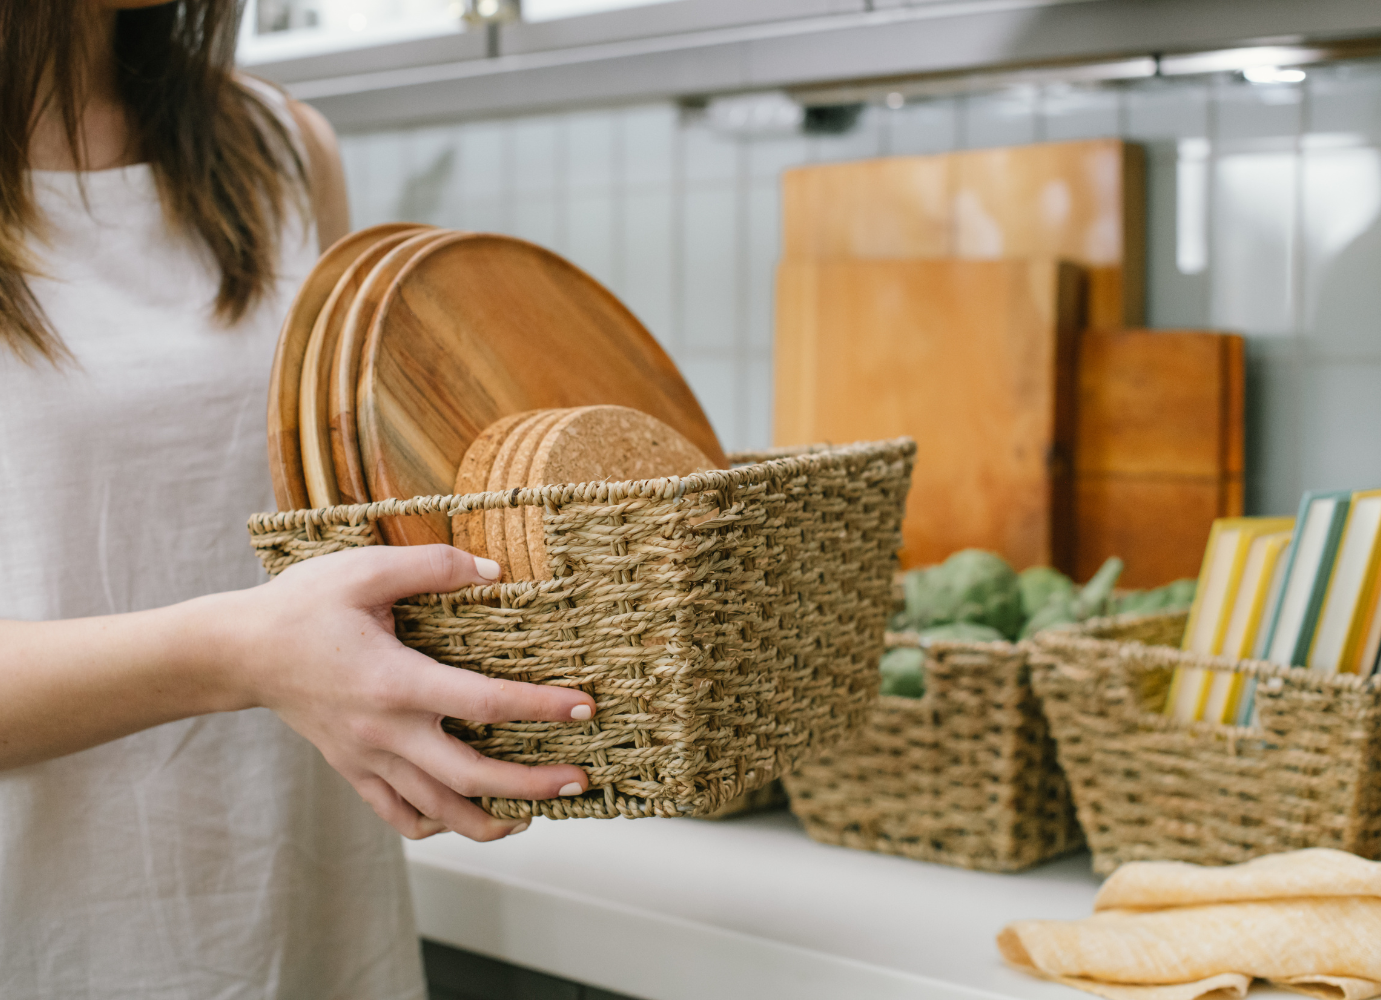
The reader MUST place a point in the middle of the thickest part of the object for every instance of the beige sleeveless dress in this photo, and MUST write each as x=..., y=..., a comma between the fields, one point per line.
x=217, y=857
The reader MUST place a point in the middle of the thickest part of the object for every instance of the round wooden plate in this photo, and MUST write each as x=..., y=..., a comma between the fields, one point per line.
x=318, y=472
x=285, y=378
x=595, y=443
x=476, y=327
x=345, y=451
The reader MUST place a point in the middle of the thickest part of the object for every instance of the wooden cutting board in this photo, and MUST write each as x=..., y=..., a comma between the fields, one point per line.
x=339, y=396
x=477, y=327
x=318, y=470
x=285, y=378
x=1078, y=201
x=1160, y=449
x=974, y=359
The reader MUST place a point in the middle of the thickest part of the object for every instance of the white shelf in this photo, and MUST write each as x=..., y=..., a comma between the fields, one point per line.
x=749, y=908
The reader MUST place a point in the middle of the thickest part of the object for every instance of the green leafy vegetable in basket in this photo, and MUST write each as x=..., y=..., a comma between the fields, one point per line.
x=1039, y=586
x=969, y=586
x=903, y=672
x=1179, y=594
x=1090, y=600
x=962, y=632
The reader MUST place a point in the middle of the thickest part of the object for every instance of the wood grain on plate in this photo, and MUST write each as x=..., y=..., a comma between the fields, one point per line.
x=495, y=524
x=595, y=443
x=318, y=470
x=974, y=359
x=477, y=327
x=467, y=527
x=344, y=446
x=285, y=377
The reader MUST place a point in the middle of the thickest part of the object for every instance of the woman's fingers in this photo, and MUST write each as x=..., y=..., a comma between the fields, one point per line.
x=384, y=574
x=428, y=796
x=464, y=694
x=469, y=773
x=395, y=811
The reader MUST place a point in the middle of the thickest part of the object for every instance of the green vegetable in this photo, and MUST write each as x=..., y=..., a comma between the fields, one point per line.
x=903, y=672
x=1059, y=610
x=1039, y=585
x=962, y=632
x=1094, y=596
x=1179, y=594
x=969, y=586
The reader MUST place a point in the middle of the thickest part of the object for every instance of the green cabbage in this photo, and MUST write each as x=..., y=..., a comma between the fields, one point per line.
x=903, y=672
x=969, y=586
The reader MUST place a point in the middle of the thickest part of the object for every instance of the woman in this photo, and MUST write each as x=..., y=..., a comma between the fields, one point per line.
x=166, y=827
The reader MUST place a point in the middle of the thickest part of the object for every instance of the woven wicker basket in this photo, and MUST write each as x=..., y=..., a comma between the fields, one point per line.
x=964, y=776
x=725, y=623
x=1149, y=788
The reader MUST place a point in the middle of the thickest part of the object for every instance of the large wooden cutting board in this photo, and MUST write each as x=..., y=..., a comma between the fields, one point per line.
x=477, y=327
x=974, y=359
x=1078, y=201
x=285, y=377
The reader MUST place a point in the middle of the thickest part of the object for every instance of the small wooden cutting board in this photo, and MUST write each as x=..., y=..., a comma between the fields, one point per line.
x=477, y=327
x=285, y=378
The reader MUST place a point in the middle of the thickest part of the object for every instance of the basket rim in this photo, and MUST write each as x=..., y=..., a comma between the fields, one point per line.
x=761, y=465
x=1057, y=640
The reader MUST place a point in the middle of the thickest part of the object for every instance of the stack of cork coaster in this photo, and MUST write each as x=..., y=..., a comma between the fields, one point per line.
x=559, y=445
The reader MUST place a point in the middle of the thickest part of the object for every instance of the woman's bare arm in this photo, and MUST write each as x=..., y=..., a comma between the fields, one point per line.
x=316, y=645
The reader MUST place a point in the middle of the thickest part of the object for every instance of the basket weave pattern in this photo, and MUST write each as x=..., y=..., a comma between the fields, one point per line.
x=1150, y=788
x=965, y=775
x=725, y=623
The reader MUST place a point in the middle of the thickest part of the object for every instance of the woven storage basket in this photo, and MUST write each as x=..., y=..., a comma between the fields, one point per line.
x=965, y=775
x=1150, y=788
x=726, y=623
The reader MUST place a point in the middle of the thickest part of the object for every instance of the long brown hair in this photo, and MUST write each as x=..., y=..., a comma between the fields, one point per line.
x=226, y=168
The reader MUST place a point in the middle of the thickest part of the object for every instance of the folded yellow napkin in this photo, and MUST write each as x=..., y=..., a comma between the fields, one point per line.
x=1164, y=930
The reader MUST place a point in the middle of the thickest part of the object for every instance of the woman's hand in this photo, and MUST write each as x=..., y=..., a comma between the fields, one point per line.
x=321, y=652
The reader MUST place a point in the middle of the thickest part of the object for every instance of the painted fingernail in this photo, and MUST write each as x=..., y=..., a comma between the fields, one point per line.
x=517, y=829
x=571, y=789
x=429, y=827
x=581, y=712
x=487, y=568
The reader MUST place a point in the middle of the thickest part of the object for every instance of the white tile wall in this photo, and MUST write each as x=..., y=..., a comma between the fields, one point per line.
x=683, y=225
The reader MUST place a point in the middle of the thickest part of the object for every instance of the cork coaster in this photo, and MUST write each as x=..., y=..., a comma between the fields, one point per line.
x=593, y=443
x=467, y=528
x=514, y=521
x=495, y=539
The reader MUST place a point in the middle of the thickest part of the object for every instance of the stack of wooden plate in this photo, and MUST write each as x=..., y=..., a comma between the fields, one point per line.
x=407, y=342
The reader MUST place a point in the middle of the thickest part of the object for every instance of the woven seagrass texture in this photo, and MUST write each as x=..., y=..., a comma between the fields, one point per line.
x=965, y=775
x=726, y=623
x=1149, y=788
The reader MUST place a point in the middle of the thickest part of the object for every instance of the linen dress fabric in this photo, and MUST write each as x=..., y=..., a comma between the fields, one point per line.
x=215, y=857
x=1165, y=930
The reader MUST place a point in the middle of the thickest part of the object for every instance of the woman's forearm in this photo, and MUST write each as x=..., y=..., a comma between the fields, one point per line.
x=316, y=645
x=69, y=685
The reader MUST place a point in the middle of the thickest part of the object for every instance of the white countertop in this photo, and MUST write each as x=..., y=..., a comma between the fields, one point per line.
x=670, y=909
x=750, y=908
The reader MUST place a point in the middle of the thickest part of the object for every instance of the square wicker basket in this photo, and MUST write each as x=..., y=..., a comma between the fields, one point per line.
x=726, y=623
x=965, y=775
x=1150, y=788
